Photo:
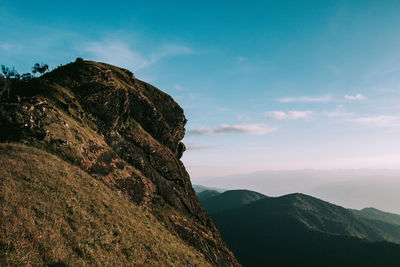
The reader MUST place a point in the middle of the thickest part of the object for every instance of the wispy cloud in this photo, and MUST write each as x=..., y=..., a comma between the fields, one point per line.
x=120, y=53
x=258, y=129
x=306, y=99
x=354, y=97
x=5, y=46
x=241, y=59
x=290, y=115
x=195, y=146
x=339, y=112
x=178, y=87
x=244, y=118
x=177, y=97
x=379, y=121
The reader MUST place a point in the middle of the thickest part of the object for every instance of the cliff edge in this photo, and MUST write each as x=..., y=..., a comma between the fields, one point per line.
x=118, y=130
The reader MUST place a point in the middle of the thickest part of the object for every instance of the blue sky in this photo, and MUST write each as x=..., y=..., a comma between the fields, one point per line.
x=264, y=84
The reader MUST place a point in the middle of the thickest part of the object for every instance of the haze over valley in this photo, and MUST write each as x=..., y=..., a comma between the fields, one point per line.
x=349, y=188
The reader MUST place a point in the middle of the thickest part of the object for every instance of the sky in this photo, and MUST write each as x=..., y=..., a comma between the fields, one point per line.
x=265, y=85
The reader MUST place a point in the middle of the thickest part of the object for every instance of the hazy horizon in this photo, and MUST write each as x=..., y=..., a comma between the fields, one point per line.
x=376, y=170
x=355, y=189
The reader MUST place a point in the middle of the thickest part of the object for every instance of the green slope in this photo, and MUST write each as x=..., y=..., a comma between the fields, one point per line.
x=229, y=200
x=375, y=214
x=299, y=230
x=203, y=195
x=52, y=213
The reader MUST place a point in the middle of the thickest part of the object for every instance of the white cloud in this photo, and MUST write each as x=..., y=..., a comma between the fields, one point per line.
x=290, y=115
x=241, y=59
x=195, y=146
x=276, y=114
x=354, y=97
x=378, y=121
x=306, y=99
x=258, y=129
x=168, y=50
x=122, y=54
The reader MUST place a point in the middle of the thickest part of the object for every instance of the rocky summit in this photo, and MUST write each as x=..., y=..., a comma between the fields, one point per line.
x=120, y=131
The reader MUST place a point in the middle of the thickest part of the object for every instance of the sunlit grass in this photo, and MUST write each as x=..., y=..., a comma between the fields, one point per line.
x=54, y=213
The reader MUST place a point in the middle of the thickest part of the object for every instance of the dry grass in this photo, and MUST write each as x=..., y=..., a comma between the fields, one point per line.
x=52, y=213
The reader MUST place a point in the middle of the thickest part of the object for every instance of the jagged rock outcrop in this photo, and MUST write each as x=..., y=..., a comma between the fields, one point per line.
x=120, y=130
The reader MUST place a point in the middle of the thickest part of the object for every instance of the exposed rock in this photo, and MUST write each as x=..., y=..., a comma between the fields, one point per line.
x=121, y=131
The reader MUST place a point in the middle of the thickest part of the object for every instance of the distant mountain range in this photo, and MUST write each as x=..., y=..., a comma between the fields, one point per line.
x=300, y=230
x=358, y=188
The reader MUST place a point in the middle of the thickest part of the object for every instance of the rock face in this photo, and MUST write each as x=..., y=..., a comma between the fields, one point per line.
x=120, y=130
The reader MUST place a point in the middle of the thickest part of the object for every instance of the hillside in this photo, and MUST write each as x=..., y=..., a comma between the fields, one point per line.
x=206, y=194
x=227, y=200
x=375, y=214
x=121, y=132
x=313, y=232
x=54, y=213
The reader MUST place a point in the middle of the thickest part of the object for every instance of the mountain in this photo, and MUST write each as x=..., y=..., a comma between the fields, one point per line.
x=206, y=194
x=96, y=127
x=300, y=230
x=387, y=223
x=372, y=187
x=200, y=188
x=228, y=200
x=375, y=214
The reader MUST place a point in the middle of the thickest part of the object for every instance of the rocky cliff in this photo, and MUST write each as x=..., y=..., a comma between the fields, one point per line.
x=121, y=131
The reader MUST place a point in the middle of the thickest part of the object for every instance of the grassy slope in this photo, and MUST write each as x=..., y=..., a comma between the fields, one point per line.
x=53, y=213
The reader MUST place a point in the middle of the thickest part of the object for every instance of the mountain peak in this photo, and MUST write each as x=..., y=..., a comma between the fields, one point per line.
x=119, y=130
x=230, y=199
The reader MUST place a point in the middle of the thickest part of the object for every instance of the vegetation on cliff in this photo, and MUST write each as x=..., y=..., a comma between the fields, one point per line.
x=54, y=213
x=121, y=132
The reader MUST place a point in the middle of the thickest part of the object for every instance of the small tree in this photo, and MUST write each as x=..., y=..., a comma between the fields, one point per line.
x=9, y=73
x=6, y=71
x=41, y=68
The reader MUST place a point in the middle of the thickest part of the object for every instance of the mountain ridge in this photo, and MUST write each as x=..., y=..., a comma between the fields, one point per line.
x=375, y=214
x=307, y=228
